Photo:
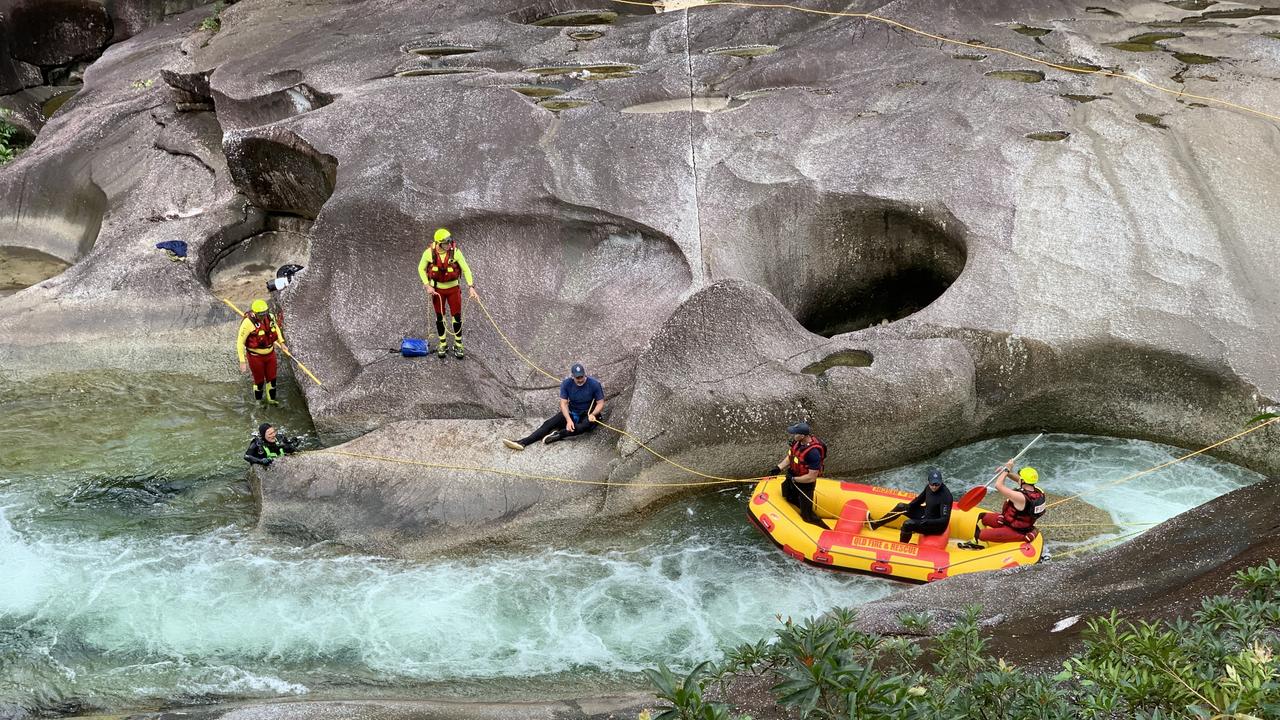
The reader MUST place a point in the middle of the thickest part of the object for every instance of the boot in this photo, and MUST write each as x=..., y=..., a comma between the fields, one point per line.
x=457, y=347
x=271, y=394
x=440, y=347
x=257, y=392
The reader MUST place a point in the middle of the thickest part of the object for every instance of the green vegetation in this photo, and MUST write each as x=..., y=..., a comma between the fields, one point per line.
x=9, y=147
x=1222, y=664
x=213, y=23
x=142, y=84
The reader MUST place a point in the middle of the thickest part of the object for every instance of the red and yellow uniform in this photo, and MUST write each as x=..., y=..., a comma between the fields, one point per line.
x=440, y=268
x=256, y=346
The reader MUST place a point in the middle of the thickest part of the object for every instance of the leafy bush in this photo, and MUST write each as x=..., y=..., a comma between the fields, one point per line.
x=1221, y=664
x=9, y=148
x=213, y=23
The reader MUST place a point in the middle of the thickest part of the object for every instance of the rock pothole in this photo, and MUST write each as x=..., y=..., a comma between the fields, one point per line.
x=847, y=262
x=744, y=51
x=1024, y=76
x=596, y=71
x=442, y=50
x=576, y=13
x=434, y=71
x=21, y=267
x=843, y=358
x=242, y=272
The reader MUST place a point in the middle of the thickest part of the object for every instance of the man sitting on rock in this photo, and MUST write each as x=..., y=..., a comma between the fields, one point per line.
x=928, y=514
x=581, y=402
x=803, y=464
x=268, y=445
x=1016, y=521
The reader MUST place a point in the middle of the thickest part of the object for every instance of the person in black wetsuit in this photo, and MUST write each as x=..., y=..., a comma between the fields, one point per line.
x=268, y=445
x=928, y=514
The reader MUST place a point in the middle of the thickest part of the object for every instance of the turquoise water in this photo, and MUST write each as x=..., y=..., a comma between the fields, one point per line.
x=133, y=577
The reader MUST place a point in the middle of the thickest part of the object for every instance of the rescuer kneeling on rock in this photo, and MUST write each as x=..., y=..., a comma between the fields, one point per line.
x=928, y=514
x=1016, y=521
x=268, y=445
x=256, y=346
x=802, y=466
x=440, y=267
x=581, y=402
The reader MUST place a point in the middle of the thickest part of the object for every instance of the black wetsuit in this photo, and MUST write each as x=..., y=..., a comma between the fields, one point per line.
x=261, y=452
x=928, y=514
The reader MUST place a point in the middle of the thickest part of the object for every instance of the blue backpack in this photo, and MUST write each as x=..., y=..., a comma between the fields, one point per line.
x=414, y=347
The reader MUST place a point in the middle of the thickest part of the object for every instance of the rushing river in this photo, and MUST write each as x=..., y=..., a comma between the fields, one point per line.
x=130, y=575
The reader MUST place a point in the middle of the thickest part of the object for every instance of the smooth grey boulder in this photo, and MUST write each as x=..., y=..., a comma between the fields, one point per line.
x=441, y=498
x=52, y=32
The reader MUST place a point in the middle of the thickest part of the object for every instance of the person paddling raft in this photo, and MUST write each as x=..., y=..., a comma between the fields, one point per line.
x=441, y=265
x=268, y=445
x=256, y=348
x=1016, y=521
x=928, y=514
x=802, y=465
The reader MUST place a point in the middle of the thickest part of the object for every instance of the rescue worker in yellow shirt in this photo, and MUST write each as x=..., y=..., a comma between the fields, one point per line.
x=441, y=265
x=256, y=347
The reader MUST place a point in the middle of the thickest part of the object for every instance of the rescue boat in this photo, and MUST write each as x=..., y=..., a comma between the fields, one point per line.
x=847, y=542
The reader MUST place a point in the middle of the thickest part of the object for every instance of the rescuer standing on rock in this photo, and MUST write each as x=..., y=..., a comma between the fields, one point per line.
x=440, y=267
x=256, y=347
x=1016, y=521
x=802, y=465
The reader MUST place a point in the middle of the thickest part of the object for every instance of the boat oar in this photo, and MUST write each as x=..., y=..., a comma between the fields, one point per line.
x=971, y=499
x=278, y=344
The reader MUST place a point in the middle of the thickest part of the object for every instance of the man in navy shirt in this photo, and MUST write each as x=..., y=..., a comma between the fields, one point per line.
x=803, y=464
x=581, y=401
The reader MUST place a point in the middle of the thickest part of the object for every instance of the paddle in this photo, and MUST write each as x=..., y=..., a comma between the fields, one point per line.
x=971, y=499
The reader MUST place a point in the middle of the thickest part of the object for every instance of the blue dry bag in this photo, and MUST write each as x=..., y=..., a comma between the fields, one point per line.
x=413, y=347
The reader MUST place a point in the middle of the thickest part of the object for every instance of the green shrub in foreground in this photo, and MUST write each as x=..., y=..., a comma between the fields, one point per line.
x=1222, y=664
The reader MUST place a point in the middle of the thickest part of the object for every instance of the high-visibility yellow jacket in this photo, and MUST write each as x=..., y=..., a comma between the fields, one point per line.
x=432, y=269
x=247, y=329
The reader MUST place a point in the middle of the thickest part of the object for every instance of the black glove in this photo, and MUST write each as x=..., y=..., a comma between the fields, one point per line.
x=773, y=470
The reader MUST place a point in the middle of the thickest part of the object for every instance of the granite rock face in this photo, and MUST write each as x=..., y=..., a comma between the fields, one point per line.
x=733, y=217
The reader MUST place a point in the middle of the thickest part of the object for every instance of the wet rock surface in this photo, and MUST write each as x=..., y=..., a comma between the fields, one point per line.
x=810, y=248
x=1196, y=553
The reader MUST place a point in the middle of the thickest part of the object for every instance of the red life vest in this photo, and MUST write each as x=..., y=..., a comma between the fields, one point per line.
x=1022, y=520
x=444, y=268
x=264, y=335
x=798, y=451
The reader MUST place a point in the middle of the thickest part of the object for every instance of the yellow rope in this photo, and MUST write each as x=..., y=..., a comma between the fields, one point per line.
x=718, y=479
x=991, y=48
x=1161, y=466
x=1075, y=525
x=513, y=473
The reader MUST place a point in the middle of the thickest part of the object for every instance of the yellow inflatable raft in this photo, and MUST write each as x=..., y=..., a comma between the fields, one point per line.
x=847, y=543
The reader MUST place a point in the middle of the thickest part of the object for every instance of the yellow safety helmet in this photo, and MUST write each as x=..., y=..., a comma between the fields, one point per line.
x=442, y=234
x=259, y=306
x=1029, y=475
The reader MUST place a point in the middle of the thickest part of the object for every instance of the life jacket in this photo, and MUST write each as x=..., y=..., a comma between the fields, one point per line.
x=266, y=450
x=1022, y=520
x=444, y=269
x=263, y=337
x=798, y=451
